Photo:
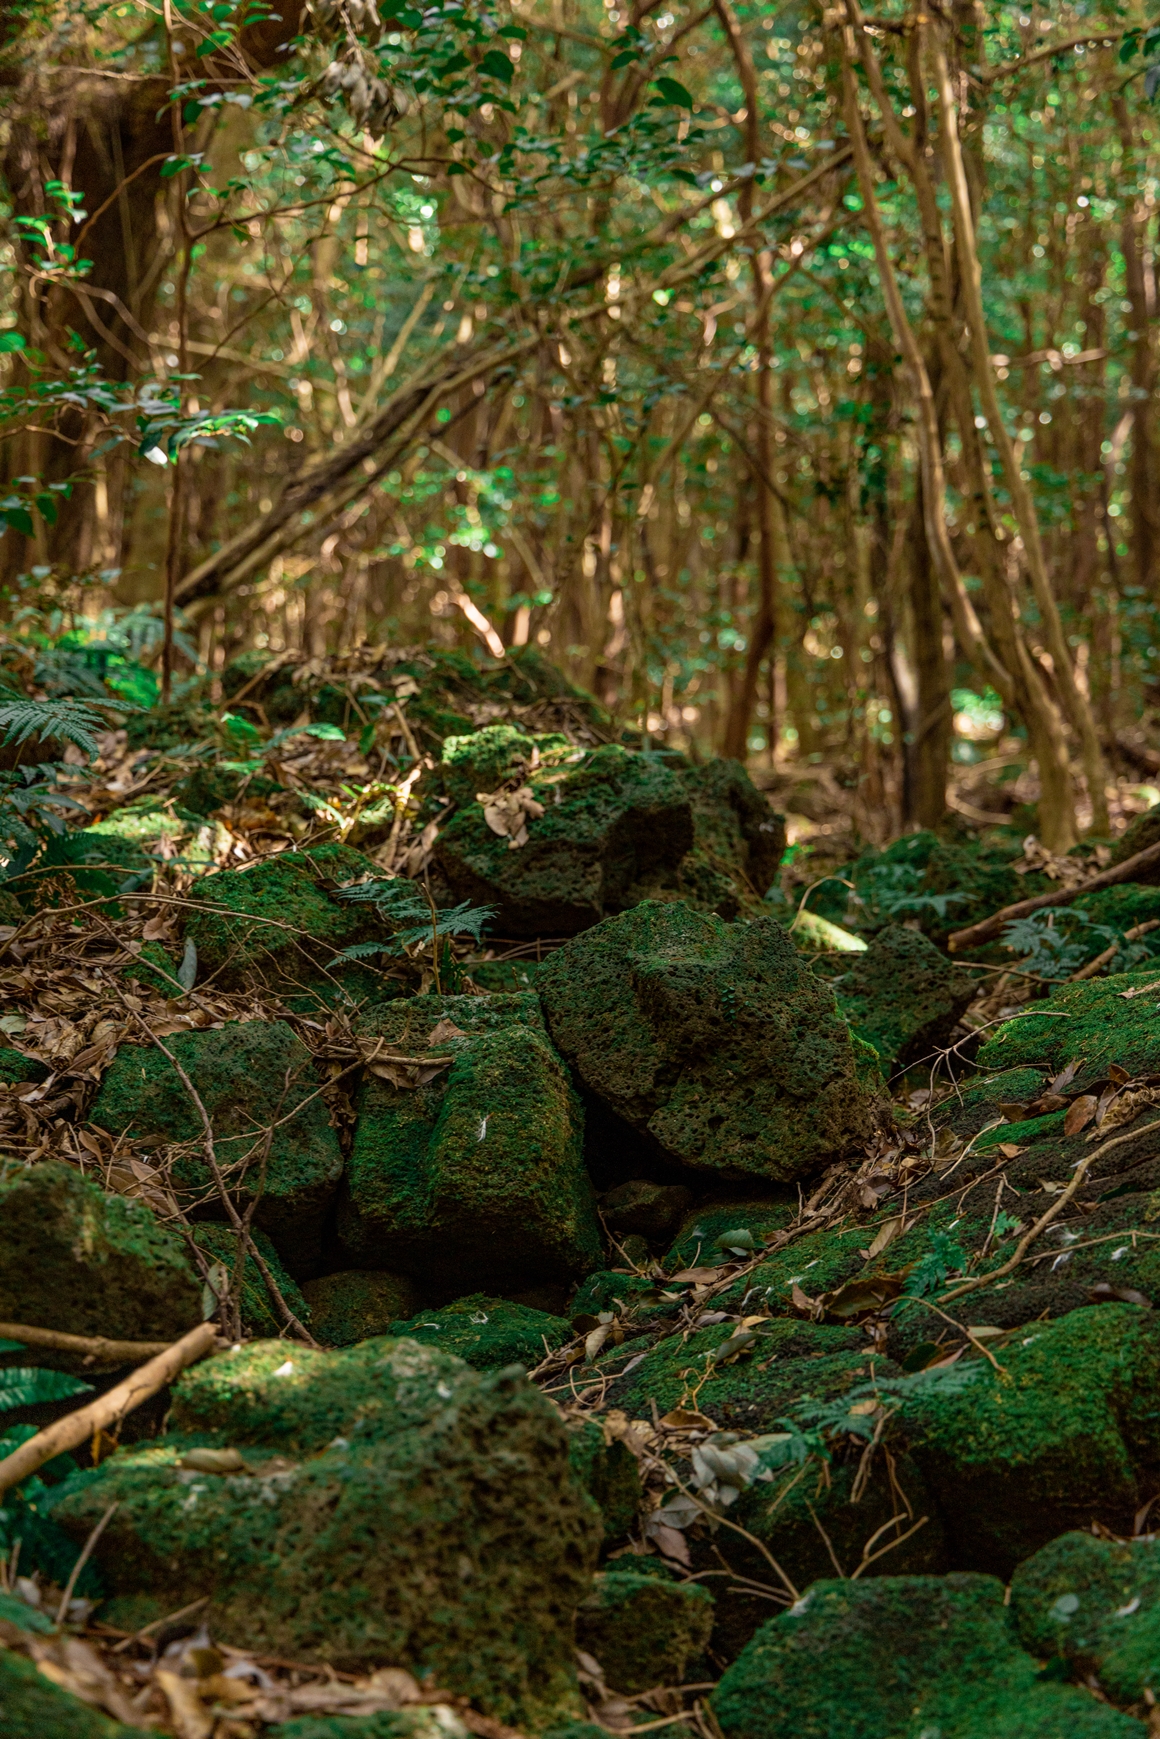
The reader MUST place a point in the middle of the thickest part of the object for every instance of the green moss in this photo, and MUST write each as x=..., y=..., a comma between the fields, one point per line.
x=474, y=1178
x=1066, y=1433
x=487, y=1333
x=608, y=1472
x=738, y=843
x=1141, y=833
x=644, y=1631
x=489, y=758
x=281, y=920
x=250, y=1076
x=716, y=1040
x=1091, y=1023
x=904, y=1656
x=400, y=1508
x=977, y=1103
x=700, y=1240
x=607, y=824
x=1123, y=906
x=601, y=1290
x=72, y=1257
x=11, y=911
x=902, y=996
x=1095, y=1604
x=940, y=885
x=260, y=1315
x=32, y=1707
x=507, y=977
x=15, y=1066
x=354, y=1305
x=438, y=1722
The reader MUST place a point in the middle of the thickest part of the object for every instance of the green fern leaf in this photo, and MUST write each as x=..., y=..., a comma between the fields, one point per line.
x=26, y=1386
x=66, y=721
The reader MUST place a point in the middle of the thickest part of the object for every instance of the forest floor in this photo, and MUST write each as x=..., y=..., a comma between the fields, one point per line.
x=597, y=1242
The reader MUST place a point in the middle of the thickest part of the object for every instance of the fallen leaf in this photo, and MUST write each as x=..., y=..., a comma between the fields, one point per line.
x=1104, y=1292
x=695, y=1276
x=1066, y=1076
x=1118, y=1074
x=1046, y=1103
x=1080, y=1114
x=213, y=1461
x=885, y=1235
x=687, y=1419
x=442, y=1031
x=1011, y=1149
x=1014, y=1113
x=860, y=1298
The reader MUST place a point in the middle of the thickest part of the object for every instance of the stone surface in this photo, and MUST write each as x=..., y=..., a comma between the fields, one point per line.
x=399, y=1509
x=1141, y=833
x=653, y=1210
x=939, y=884
x=1094, y=1604
x=474, y=1178
x=281, y=923
x=249, y=1075
x=607, y=823
x=488, y=1333
x=260, y=1314
x=15, y=1067
x=904, y=1656
x=74, y=1258
x=715, y=1040
x=902, y=996
x=644, y=1630
x=608, y=1471
x=1094, y=1023
x=354, y=1305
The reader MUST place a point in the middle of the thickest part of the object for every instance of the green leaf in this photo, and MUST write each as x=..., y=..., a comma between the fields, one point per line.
x=674, y=92
x=17, y=519
x=26, y=1386
x=11, y=341
x=498, y=66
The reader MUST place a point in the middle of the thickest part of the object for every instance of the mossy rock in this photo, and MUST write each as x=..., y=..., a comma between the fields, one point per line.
x=72, y=1257
x=436, y=1722
x=651, y=1210
x=1094, y=1023
x=1140, y=834
x=703, y=1237
x=607, y=825
x=939, y=885
x=904, y=1656
x=488, y=1333
x=1065, y=1434
x=399, y=1507
x=250, y=1076
x=713, y=1040
x=260, y=1315
x=355, y=1305
x=487, y=759
x=609, y=1473
x=643, y=1630
x=738, y=844
x=11, y=911
x=505, y=977
x=474, y=1178
x=1094, y=1604
x=15, y=1067
x=32, y=1707
x=281, y=921
x=902, y=996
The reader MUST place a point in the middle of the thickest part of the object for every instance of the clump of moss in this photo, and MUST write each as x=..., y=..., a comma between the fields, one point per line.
x=703, y=1239
x=487, y=1333
x=487, y=759
x=281, y=920
x=902, y=996
x=1093, y=1023
x=250, y=1076
x=16, y=1067
x=260, y=1315
x=644, y=1631
x=1141, y=833
x=738, y=844
x=906, y=1656
x=32, y=1707
x=396, y=1507
x=714, y=1040
x=608, y=1472
x=935, y=883
x=474, y=1177
x=72, y=1257
x=354, y=1305
x=1096, y=1605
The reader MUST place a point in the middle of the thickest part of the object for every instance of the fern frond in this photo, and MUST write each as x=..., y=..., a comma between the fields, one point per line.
x=361, y=951
x=26, y=1386
x=66, y=721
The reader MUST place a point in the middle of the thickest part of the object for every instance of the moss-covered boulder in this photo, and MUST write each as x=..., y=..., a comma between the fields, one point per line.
x=74, y=1258
x=644, y=1630
x=1094, y=1604
x=396, y=1509
x=33, y=1707
x=1064, y=1434
x=941, y=885
x=436, y=1721
x=488, y=1333
x=1097, y=1022
x=281, y=922
x=906, y=1656
x=252, y=1077
x=605, y=825
x=608, y=1471
x=354, y=1305
x=716, y=1230
x=1141, y=833
x=713, y=1040
x=259, y=1311
x=651, y=1210
x=474, y=1176
x=488, y=759
x=902, y=996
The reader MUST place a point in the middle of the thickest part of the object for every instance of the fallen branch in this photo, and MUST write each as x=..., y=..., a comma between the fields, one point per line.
x=1128, y=871
x=108, y=1410
x=96, y=1348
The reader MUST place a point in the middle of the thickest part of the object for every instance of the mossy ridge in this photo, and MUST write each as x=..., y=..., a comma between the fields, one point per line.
x=73, y=1257
x=487, y=1333
x=475, y=1177
x=354, y=1305
x=608, y=1472
x=484, y=760
x=643, y=1630
x=1096, y=1605
x=402, y=1510
x=713, y=1039
x=616, y=818
x=1094, y=1023
x=904, y=1656
x=32, y=1707
x=250, y=1075
x=281, y=919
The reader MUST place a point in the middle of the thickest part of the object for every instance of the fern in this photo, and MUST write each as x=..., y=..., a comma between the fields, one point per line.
x=28, y=1386
x=398, y=905
x=66, y=721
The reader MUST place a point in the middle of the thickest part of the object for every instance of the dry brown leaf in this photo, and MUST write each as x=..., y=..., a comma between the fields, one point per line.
x=1010, y=1149
x=1080, y=1114
x=1118, y=1074
x=696, y=1276
x=191, y=1719
x=1123, y=1109
x=444, y=1030
x=885, y=1235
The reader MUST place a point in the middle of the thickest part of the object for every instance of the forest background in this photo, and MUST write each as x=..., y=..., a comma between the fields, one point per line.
x=786, y=375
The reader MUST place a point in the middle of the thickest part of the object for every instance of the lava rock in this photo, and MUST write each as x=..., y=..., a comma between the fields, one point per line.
x=643, y=1629
x=1094, y=1604
x=902, y=996
x=651, y=1209
x=352, y=1306
x=715, y=1040
x=259, y=1311
x=488, y=1333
